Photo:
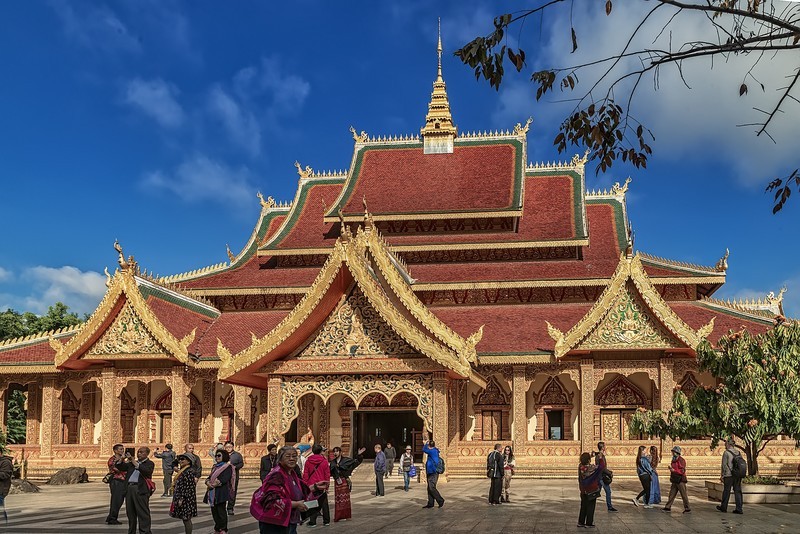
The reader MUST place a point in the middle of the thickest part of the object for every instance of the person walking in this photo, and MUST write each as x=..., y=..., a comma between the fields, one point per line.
x=677, y=479
x=605, y=479
x=731, y=478
x=509, y=463
x=137, y=497
x=380, y=471
x=184, y=494
x=406, y=463
x=391, y=456
x=282, y=496
x=655, y=485
x=317, y=476
x=644, y=471
x=589, y=484
x=432, y=473
x=6, y=473
x=168, y=458
x=269, y=461
x=220, y=484
x=116, y=485
x=341, y=469
x=494, y=470
x=197, y=465
x=237, y=461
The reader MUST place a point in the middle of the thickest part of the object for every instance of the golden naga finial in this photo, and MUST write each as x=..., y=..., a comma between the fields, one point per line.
x=268, y=203
x=631, y=239
x=580, y=161
x=304, y=173
x=776, y=299
x=368, y=223
x=475, y=338
x=358, y=138
x=706, y=330
x=230, y=254
x=125, y=265
x=519, y=129
x=224, y=355
x=108, y=276
x=722, y=264
x=344, y=230
x=557, y=336
x=617, y=189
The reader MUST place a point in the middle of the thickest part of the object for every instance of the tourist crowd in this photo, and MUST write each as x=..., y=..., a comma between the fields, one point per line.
x=296, y=481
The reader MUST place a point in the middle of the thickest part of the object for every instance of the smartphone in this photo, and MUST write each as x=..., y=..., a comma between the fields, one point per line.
x=130, y=451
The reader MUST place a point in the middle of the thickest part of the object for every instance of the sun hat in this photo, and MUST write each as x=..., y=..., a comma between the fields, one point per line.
x=676, y=449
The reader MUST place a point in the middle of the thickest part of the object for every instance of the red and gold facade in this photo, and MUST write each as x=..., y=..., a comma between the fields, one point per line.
x=499, y=301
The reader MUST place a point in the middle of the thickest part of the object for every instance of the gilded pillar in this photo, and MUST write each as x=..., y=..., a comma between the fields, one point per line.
x=33, y=412
x=274, y=430
x=142, y=413
x=51, y=417
x=263, y=418
x=110, y=412
x=519, y=389
x=208, y=411
x=325, y=423
x=587, y=404
x=666, y=386
x=242, y=404
x=180, y=407
x=453, y=406
x=305, y=414
x=440, y=412
x=88, y=393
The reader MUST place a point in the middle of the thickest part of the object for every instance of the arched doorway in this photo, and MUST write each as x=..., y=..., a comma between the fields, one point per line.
x=163, y=410
x=377, y=420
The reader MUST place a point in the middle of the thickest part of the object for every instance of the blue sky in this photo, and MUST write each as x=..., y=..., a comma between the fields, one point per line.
x=155, y=123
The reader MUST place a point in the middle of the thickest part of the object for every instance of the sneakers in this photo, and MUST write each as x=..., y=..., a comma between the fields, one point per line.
x=667, y=509
x=113, y=522
x=581, y=526
x=738, y=512
x=687, y=511
x=635, y=502
x=721, y=509
x=312, y=525
x=648, y=506
x=612, y=509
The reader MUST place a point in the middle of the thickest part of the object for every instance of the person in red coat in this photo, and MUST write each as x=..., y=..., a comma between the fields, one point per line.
x=317, y=476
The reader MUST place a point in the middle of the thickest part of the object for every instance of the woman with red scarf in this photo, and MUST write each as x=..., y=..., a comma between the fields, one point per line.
x=281, y=498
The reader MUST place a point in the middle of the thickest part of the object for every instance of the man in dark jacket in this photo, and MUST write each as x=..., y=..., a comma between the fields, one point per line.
x=237, y=462
x=137, y=499
x=6, y=472
x=116, y=485
x=494, y=470
x=168, y=461
x=269, y=461
x=197, y=465
x=342, y=467
x=380, y=470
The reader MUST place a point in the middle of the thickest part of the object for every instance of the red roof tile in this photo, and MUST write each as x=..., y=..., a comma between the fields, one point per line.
x=472, y=178
x=235, y=330
x=307, y=229
x=179, y=320
x=36, y=352
x=257, y=272
x=697, y=315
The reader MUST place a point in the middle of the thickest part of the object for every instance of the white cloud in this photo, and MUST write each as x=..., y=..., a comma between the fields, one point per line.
x=202, y=179
x=692, y=122
x=240, y=124
x=6, y=275
x=157, y=99
x=44, y=286
x=282, y=92
x=97, y=28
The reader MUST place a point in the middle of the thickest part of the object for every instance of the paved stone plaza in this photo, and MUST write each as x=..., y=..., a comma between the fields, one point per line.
x=538, y=506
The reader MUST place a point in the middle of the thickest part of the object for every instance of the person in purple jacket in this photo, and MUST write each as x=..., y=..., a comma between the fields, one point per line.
x=380, y=470
x=589, y=484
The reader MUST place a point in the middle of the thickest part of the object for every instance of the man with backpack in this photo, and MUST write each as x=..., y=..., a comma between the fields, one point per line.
x=434, y=467
x=734, y=469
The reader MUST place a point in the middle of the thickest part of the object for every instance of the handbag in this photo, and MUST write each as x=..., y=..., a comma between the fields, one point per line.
x=607, y=477
x=594, y=495
x=150, y=485
x=107, y=479
x=412, y=471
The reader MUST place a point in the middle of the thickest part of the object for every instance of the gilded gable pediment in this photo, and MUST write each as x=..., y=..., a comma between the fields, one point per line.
x=356, y=329
x=127, y=335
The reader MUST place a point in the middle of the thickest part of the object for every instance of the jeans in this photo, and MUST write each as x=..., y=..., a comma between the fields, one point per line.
x=3, y=506
x=406, y=480
x=645, y=480
x=433, y=493
x=607, y=489
x=586, y=515
x=736, y=483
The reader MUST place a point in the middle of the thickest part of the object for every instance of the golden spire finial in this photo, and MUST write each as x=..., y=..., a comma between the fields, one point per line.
x=439, y=131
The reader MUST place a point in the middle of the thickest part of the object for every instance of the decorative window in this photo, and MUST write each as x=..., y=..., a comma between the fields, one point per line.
x=554, y=411
x=70, y=411
x=492, y=408
x=127, y=416
x=689, y=384
x=614, y=407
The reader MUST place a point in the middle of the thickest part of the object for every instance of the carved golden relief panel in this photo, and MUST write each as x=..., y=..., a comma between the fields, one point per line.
x=127, y=335
x=629, y=324
x=356, y=329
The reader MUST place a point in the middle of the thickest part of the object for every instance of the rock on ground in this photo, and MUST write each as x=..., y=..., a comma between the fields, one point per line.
x=70, y=475
x=23, y=486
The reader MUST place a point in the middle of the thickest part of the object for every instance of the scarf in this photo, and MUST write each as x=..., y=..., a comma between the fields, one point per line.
x=178, y=475
x=212, y=480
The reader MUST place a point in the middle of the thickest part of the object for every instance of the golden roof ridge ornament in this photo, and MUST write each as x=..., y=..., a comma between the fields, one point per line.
x=230, y=254
x=722, y=264
x=620, y=190
x=308, y=172
x=128, y=265
x=439, y=131
x=268, y=203
x=359, y=138
x=519, y=129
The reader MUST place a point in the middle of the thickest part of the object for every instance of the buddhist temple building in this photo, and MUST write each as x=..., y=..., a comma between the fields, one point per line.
x=441, y=284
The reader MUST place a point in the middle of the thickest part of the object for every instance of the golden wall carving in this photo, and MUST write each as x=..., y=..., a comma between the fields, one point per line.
x=627, y=368
x=127, y=335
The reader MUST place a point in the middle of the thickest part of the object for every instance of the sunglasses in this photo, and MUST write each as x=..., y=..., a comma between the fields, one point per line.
x=217, y=456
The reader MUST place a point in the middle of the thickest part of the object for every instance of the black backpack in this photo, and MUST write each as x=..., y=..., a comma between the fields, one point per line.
x=440, y=466
x=739, y=466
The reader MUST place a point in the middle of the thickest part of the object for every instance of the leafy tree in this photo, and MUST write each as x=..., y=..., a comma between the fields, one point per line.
x=14, y=324
x=601, y=119
x=11, y=325
x=17, y=417
x=755, y=400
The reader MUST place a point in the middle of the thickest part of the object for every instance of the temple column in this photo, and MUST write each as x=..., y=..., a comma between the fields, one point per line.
x=3, y=406
x=263, y=418
x=587, y=404
x=666, y=386
x=32, y=418
x=180, y=407
x=440, y=412
x=110, y=410
x=88, y=393
x=453, y=412
x=209, y=410
x=274, y=430
x=325, y=424
x=519, y=389
x=51, y=417
x=142, y=413
x=242, y=404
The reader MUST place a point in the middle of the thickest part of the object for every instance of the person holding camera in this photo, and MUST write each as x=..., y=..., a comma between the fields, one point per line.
x=116, y=484
x=138, y=471
x=606, y=477
x=167, y=466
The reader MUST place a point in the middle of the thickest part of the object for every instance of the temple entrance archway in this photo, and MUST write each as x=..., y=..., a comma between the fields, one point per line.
x=377, y=420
